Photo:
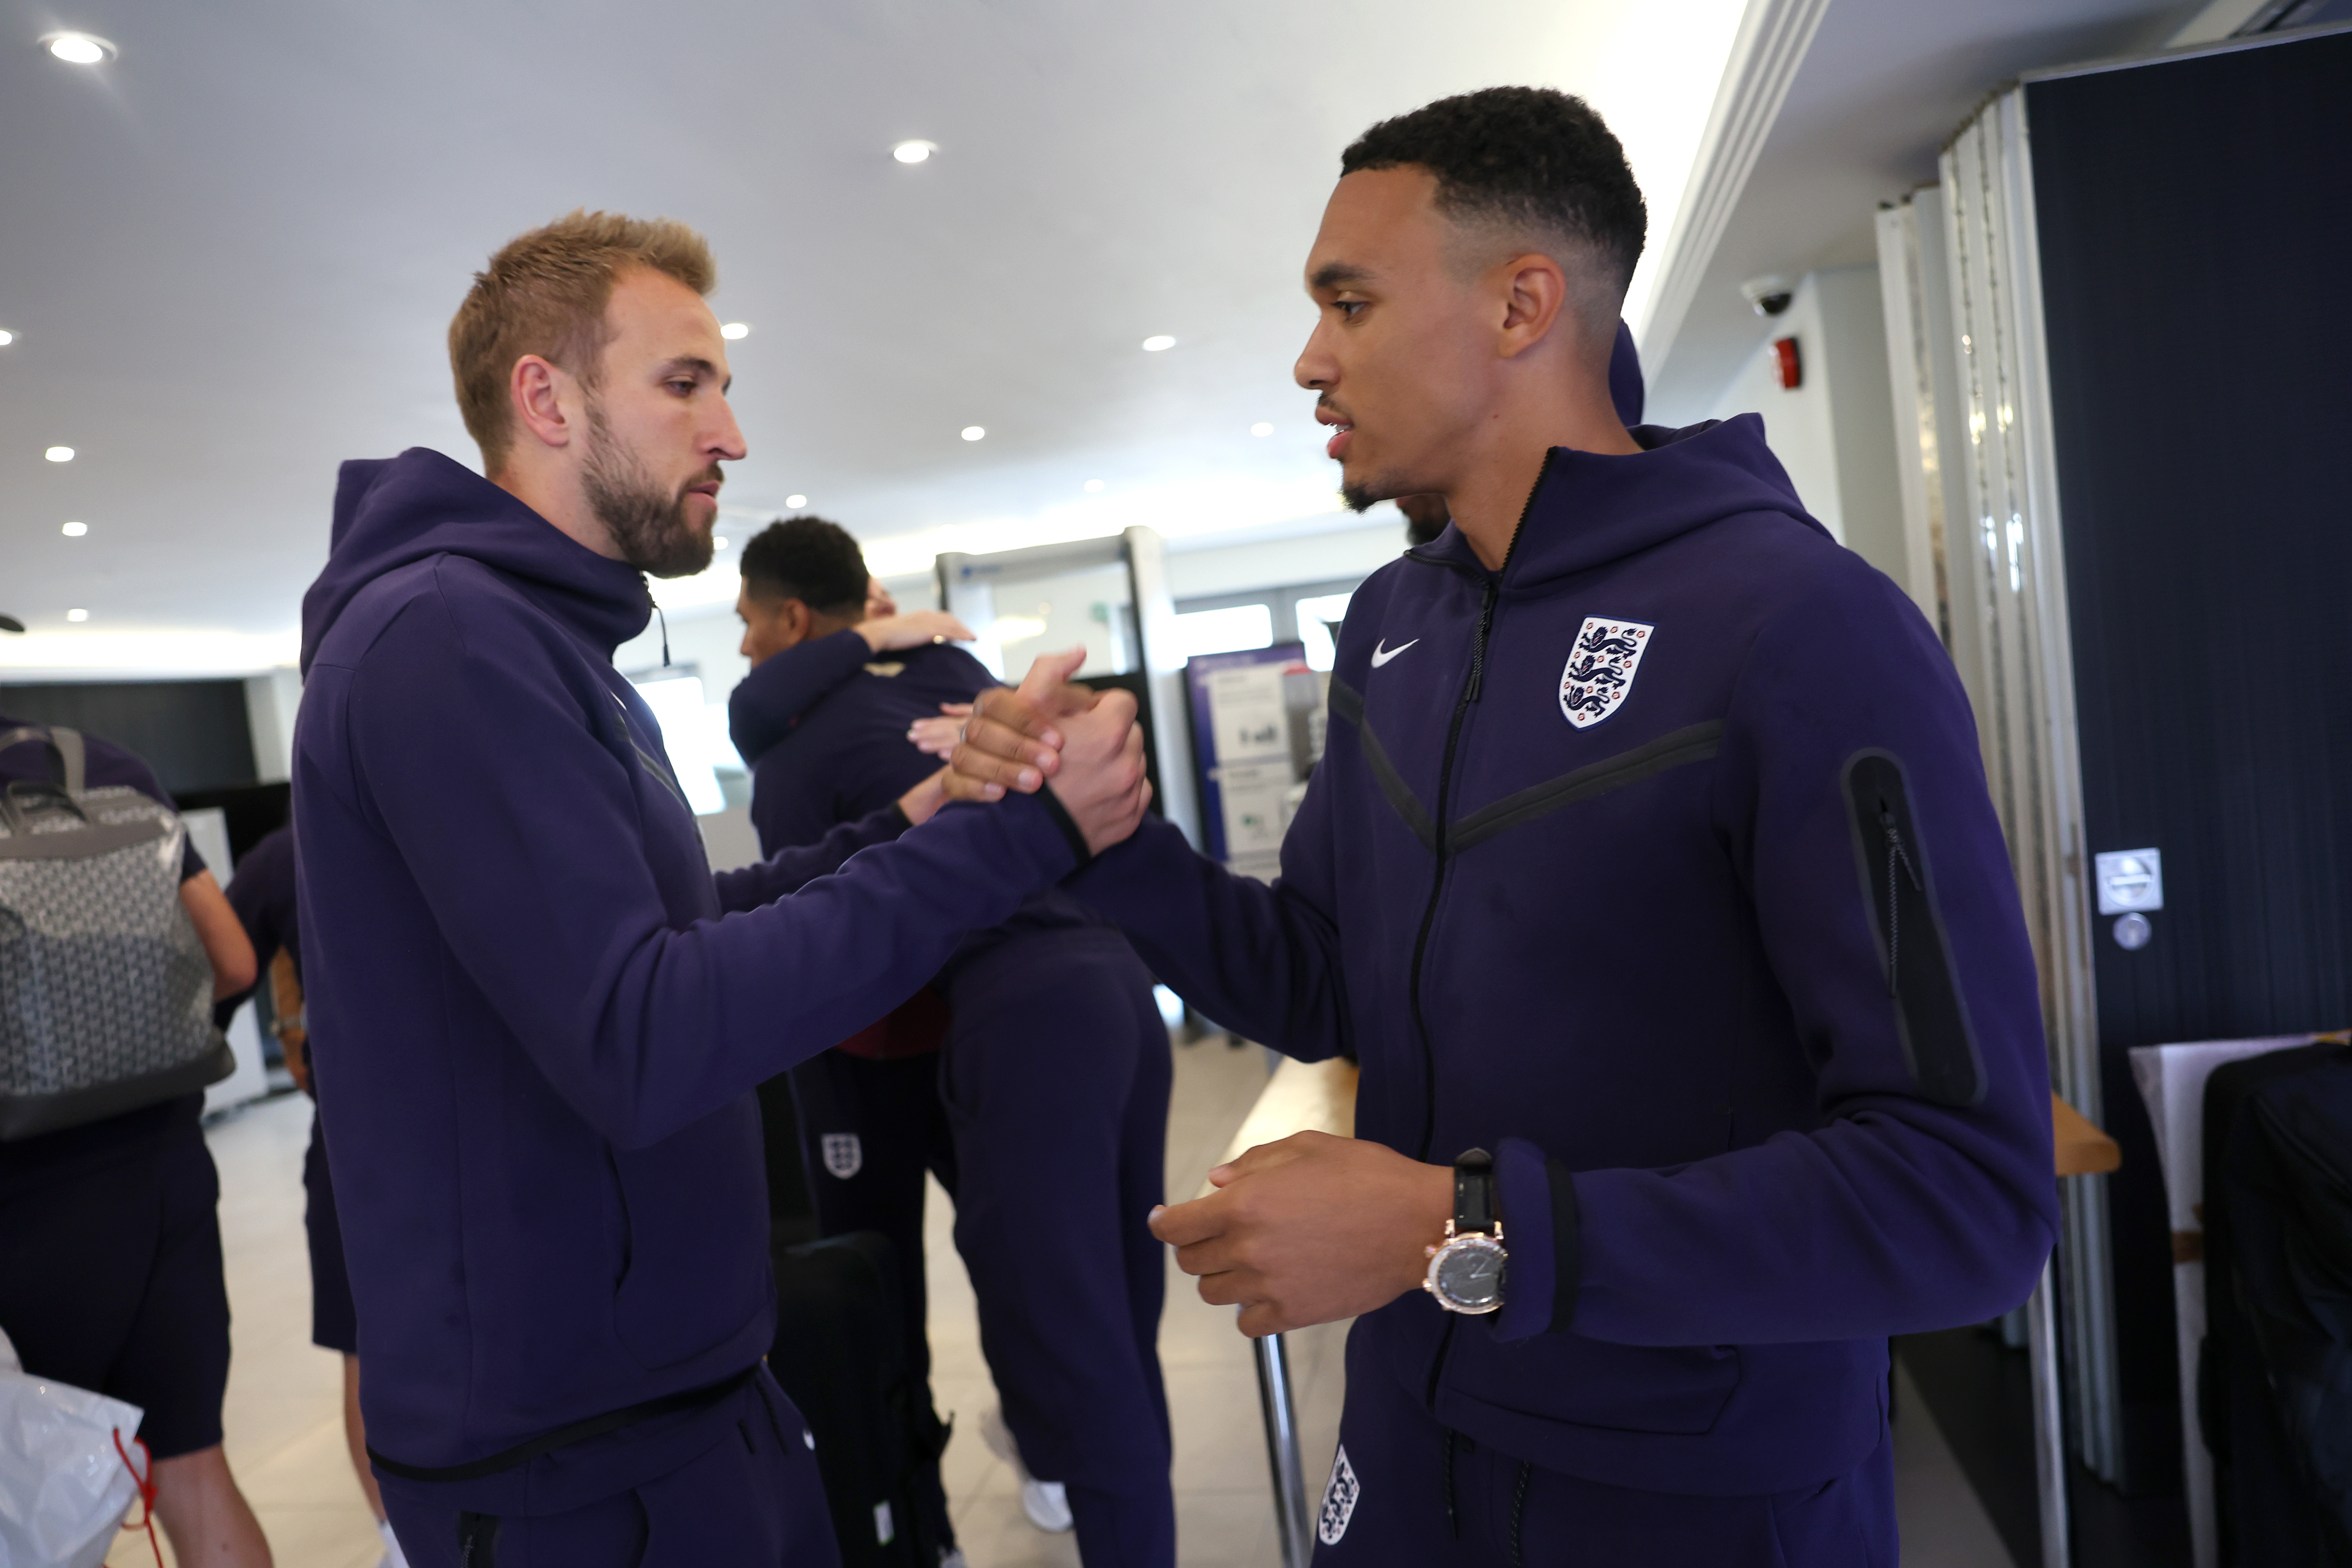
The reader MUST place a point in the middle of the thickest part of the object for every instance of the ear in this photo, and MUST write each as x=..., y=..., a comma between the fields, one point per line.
x=795, y=616
x=1535, y=295
x=544, y=398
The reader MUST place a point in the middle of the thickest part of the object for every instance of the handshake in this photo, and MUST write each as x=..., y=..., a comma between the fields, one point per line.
x=1086, y=743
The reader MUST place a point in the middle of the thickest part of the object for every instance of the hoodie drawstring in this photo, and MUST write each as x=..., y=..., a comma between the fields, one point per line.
x=1519, y=1510
x=664, y=626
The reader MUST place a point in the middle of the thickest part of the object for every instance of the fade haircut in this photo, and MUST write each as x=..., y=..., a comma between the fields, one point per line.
x=1523, y=162
x=544, y=293
x=808, y=559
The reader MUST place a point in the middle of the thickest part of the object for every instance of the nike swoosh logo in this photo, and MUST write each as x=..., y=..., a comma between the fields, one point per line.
x=1382, y=653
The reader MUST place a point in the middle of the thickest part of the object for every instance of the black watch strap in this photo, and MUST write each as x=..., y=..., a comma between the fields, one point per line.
x=1473, y=1192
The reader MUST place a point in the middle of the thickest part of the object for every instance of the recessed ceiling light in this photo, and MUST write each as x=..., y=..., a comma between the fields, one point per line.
x=1094, y=487
x=6, y=338
x=1261, y=428
x=973, y=432
x=77, y=614
x=735, y=331
x=914, y=151
x=717, y=542
x=796, y=502
x=74, y=530
x=1153, y=344
x=79, y=48
x=59, y=454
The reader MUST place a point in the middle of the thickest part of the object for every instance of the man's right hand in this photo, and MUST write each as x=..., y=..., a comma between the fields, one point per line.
x=1086, y=741
x=888, y=634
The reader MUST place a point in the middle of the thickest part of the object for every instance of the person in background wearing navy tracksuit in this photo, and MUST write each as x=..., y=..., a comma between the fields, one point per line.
x=542, y=1032
x=885, y=1125
x=262, y=892
x=110, y=1232
x=1651, y=876
x=1039, y=1121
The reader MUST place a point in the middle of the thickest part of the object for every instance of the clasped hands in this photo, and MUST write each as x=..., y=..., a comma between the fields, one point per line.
x=1306, y=1230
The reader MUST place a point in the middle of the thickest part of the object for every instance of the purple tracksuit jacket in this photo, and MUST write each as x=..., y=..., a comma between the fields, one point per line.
x=1659, y=863
x=542, y=1032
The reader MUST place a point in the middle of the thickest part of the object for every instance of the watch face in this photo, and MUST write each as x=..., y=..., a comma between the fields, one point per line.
x=1468, y=1274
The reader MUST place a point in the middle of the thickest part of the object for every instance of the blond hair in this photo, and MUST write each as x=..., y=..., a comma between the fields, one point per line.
x=544, y=293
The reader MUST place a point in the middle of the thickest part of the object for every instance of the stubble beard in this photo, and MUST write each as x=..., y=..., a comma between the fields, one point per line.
x=648, y=524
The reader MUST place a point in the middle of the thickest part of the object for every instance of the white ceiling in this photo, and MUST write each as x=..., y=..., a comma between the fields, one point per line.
x=230, y=255
x=1880, y=88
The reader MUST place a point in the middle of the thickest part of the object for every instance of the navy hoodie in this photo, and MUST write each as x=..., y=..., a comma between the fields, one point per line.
x=540, y=1033
x=1595, y=873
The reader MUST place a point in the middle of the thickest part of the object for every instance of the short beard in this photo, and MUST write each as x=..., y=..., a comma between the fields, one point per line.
x=648, y=527
x=1366, y=494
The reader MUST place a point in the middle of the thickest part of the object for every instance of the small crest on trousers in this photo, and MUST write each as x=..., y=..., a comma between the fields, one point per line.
x=1601, y=666
x=844, y=1156
x=1340, y=1495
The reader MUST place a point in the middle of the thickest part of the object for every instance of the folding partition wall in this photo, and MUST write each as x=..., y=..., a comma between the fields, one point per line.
x=2122, y=351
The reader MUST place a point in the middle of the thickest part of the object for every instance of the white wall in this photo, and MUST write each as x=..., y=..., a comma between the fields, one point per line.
x=1834, y=431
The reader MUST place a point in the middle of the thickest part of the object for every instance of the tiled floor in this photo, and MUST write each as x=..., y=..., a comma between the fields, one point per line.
x=284, y=1411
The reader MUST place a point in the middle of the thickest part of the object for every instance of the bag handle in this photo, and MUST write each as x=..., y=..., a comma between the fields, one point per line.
x=65, y=750
x=66, y=753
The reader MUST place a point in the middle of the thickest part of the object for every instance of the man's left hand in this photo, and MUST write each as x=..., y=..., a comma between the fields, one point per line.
x=1309, y=1230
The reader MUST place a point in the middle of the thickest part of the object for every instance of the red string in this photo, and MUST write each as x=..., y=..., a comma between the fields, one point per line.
x=146, y=1484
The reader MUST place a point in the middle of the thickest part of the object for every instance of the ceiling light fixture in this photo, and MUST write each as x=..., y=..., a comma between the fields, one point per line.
x=796, y=502
x=1261, y=428
x=77, y=614
x=735, y=331
x=914, y=151
x=1153, y=344
x=74, y=530
x=1094, y=487
x=6, y=338
x=973, y=432
x=79, y=48
x=59, y=454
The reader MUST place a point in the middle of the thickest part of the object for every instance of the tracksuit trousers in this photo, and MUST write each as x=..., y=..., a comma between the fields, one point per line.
x=751, y=1499
x=1404, y=1492
x=1055, y=1079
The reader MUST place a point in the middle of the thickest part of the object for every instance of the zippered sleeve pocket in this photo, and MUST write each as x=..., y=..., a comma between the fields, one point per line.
x=1930, y=1015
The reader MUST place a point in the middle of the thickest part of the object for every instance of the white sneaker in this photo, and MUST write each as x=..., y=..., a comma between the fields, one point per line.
x=1047, y=1503
x=393, y=1555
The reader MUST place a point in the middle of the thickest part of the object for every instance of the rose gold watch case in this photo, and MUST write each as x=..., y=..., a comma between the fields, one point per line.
x=1454, y=1246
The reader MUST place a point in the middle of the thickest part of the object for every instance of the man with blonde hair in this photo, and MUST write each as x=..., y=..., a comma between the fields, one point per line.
x=542, y=1033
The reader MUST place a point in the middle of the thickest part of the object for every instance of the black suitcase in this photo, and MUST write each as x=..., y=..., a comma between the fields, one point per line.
x=841, y=1354
x=2275, y=1373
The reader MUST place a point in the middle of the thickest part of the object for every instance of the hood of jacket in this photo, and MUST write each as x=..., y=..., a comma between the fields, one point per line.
x=391, y=512
x=1589, y=508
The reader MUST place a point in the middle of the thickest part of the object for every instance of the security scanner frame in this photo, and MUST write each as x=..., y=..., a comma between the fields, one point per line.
x=1112, y=595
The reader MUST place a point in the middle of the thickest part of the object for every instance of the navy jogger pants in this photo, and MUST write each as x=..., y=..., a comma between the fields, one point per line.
x=1405, y=1493
x=1056, y=1078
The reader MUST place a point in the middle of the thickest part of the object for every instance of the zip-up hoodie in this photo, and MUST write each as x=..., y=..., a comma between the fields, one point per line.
x=1659, y=862
x=541, y=1032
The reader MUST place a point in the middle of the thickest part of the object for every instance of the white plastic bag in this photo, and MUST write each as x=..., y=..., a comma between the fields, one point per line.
x=64, y=1487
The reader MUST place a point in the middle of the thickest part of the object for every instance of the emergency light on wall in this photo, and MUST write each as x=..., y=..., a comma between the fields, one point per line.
x=1785, y=363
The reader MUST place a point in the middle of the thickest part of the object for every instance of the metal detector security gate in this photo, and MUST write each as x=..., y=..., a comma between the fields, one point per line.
x=1111, y=595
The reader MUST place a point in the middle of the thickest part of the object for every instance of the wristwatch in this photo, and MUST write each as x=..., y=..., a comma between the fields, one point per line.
x=1466, y=1270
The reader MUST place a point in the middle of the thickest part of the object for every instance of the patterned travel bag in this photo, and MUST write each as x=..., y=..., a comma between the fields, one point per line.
x=105, y=992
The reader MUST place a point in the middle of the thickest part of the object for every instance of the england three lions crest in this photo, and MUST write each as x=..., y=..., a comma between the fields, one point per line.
x=1601, y=666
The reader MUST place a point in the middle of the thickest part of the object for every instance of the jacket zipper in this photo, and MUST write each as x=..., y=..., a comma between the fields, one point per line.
x=1470, y=688
x=1895, y=855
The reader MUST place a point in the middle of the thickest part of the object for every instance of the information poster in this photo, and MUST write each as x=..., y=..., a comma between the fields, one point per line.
x=1251, y=729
